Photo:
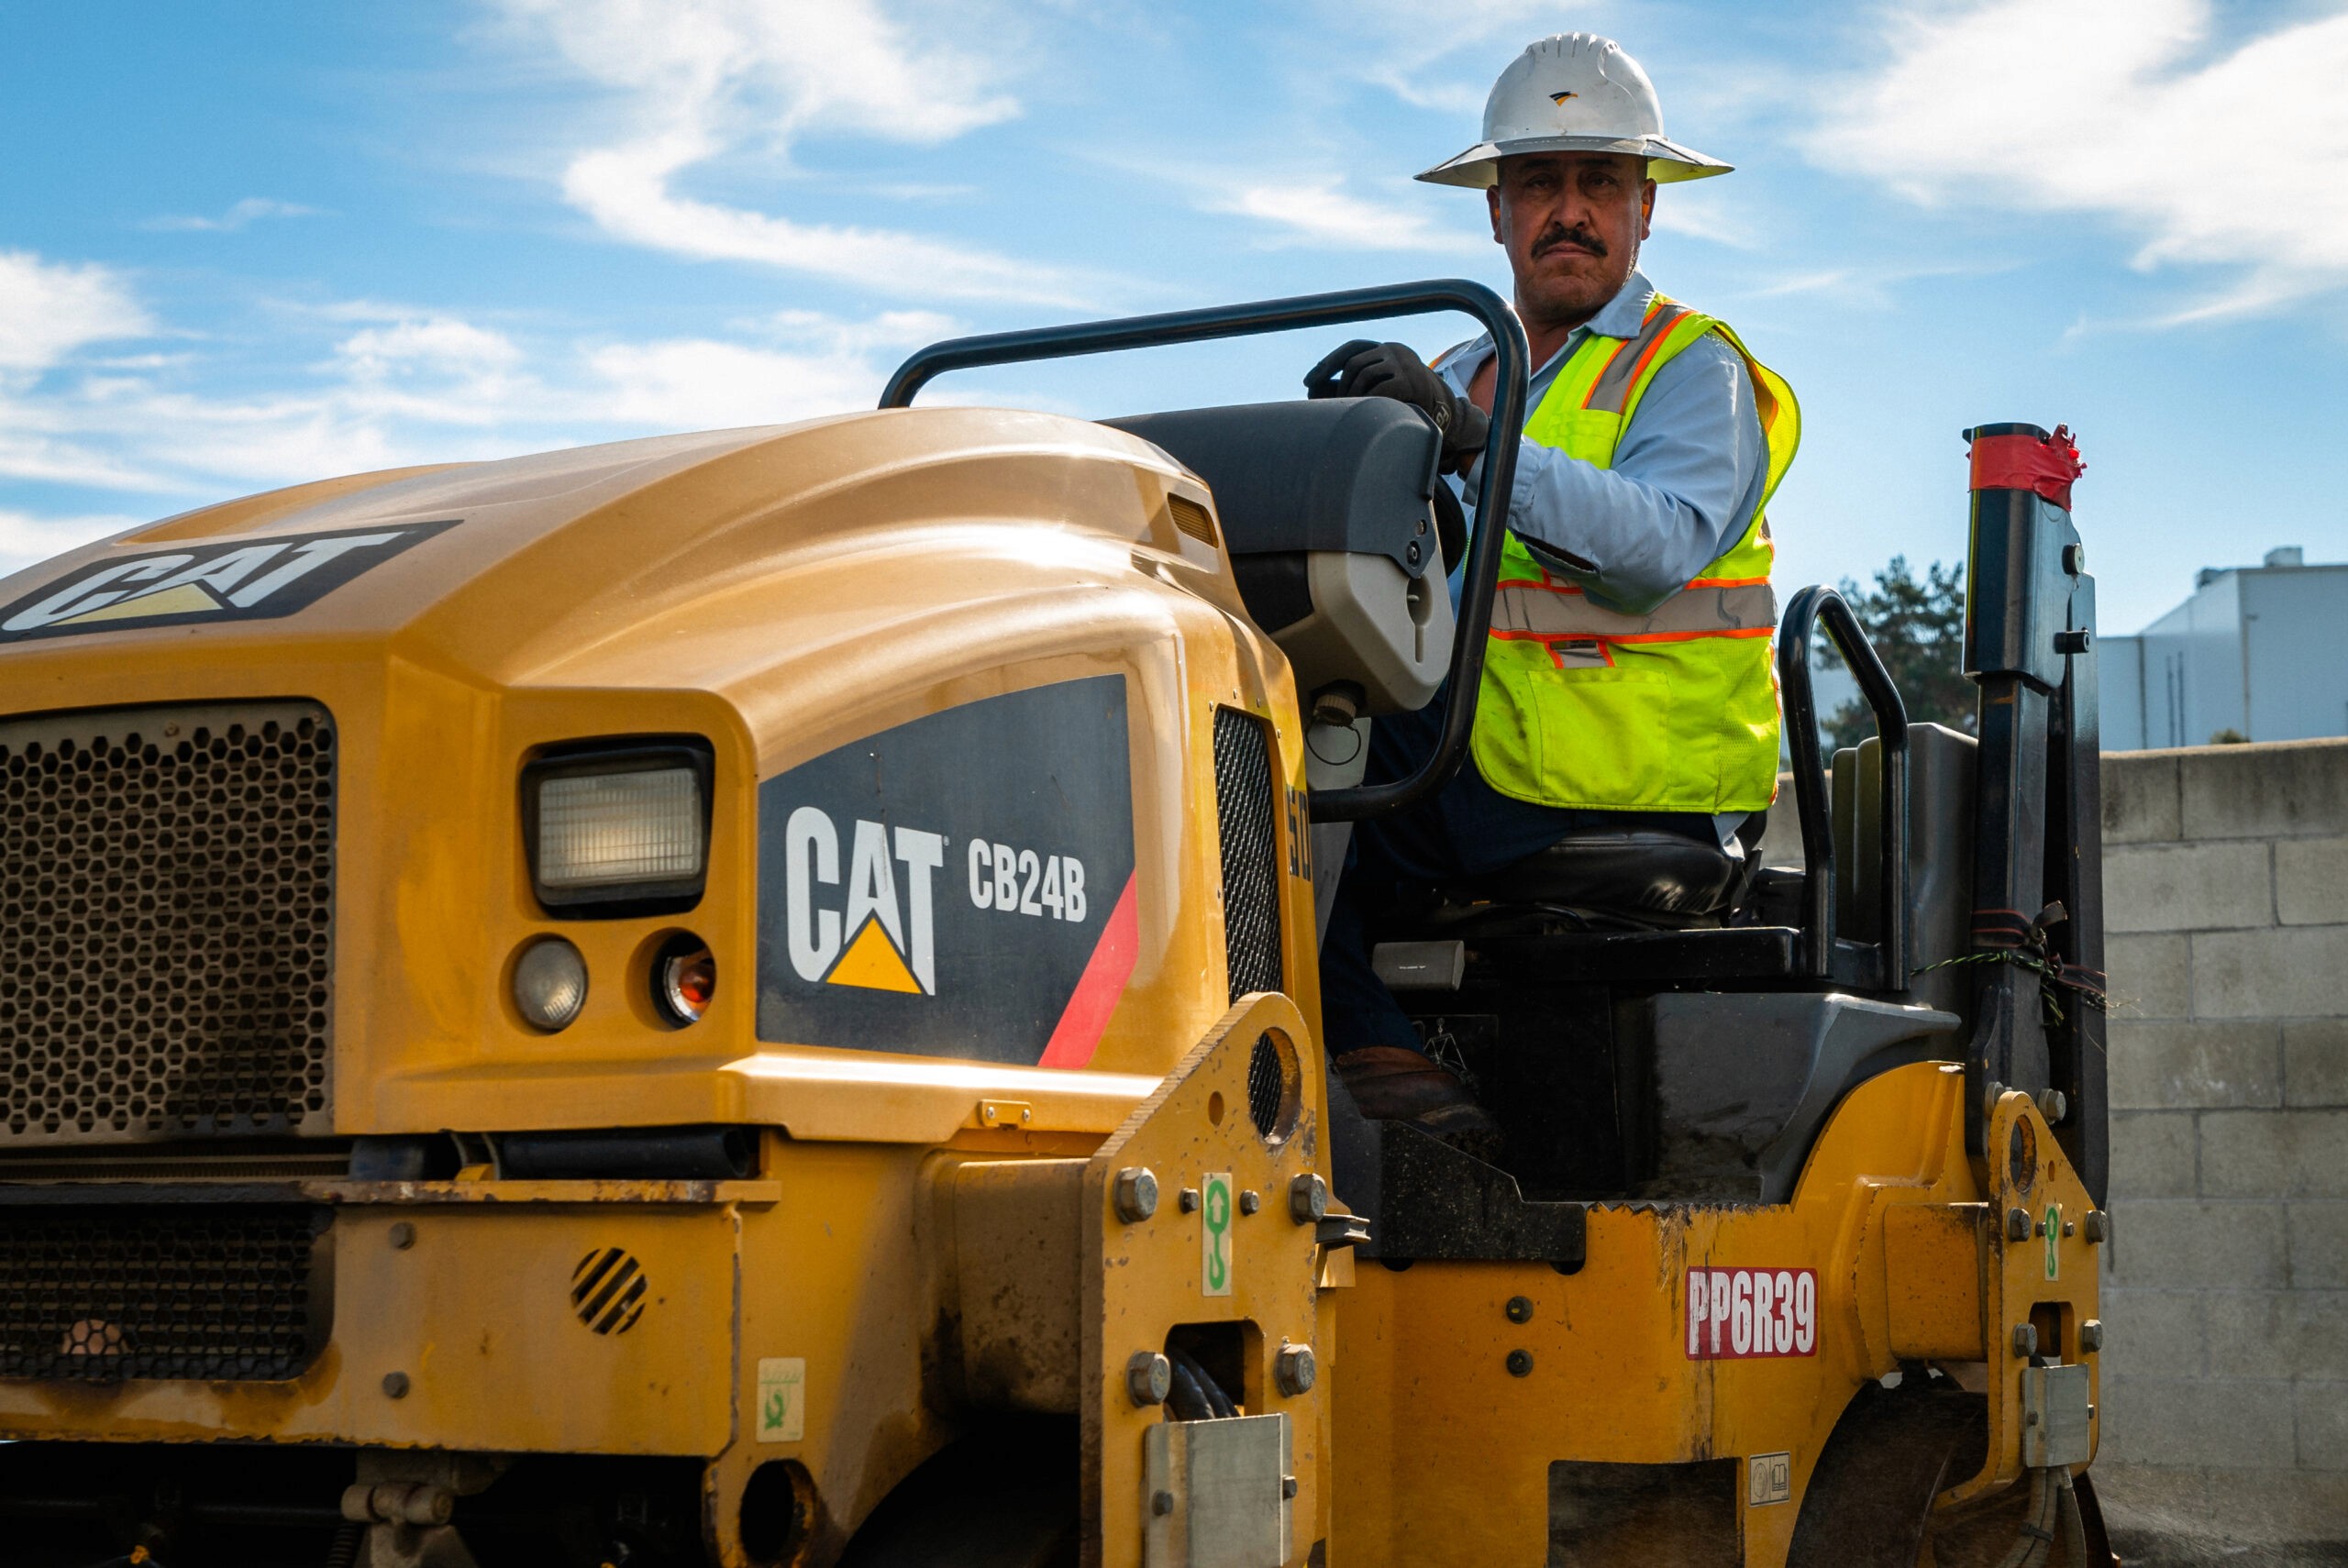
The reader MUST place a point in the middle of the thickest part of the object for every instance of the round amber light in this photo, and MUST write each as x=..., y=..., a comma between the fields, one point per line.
x=685, y=980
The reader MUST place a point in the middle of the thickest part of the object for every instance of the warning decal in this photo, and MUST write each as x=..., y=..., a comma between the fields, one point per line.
x=1736, y=1313
x=250, y=581
x=960, y=886
x=783, y=1398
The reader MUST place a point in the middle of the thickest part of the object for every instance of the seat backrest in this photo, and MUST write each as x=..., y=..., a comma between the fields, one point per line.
x=1941, y=805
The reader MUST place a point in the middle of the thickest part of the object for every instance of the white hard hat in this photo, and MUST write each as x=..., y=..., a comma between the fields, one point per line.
x=1573, y=93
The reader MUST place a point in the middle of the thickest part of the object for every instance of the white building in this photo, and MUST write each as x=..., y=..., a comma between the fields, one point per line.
x=2261, y=652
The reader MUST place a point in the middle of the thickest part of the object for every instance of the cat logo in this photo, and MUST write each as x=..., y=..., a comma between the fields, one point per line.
x=255, y=580
x=877, y=941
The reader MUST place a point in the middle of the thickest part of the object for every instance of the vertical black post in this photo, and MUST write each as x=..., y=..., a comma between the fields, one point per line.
x=2074, y=869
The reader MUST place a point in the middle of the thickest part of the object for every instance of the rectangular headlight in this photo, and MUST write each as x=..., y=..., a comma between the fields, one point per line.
x=618, y=828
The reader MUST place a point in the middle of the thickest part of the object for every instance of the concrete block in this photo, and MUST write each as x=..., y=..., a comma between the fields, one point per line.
x=2315, y=1061
x=2141, y=798
x=2154, y=1333
x=2151, y=976
x=2225, y=1425
x=2268, y=1333
x=2311, y=882
x=2318, y=1234
x=2152, y=1154
x=2285, y=788
x=2294, y=971
x=2322, y=1409
x=2275, y=1154
x=2173, y=1244
x=2164, y=1066
x=2189, y=887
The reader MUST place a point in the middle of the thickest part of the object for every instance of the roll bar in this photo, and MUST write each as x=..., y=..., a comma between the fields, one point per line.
x=1493, y=494
x=1824, y=955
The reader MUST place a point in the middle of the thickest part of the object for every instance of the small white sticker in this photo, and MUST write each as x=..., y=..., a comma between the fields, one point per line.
x=783, y=1398
x=1769, y=1479
x=1214, y=1236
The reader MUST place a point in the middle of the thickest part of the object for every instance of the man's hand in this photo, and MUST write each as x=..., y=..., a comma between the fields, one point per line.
x=1363, y=369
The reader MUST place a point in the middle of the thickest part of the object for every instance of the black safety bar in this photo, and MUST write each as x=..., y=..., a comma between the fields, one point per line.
x=1810, y=607
x=1286, y=316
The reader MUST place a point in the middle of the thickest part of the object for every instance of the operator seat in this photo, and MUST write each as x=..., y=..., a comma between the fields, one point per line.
x=1646, y=875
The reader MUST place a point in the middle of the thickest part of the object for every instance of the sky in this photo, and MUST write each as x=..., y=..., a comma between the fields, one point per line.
x=248, y=245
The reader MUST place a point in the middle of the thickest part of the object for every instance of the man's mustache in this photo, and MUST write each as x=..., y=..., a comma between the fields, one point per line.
x=1559, y=234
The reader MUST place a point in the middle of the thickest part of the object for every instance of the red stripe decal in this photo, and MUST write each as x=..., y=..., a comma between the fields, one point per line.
x=1086, y=1017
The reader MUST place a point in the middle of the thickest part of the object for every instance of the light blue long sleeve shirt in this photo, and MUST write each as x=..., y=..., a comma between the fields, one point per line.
x=1687, y=477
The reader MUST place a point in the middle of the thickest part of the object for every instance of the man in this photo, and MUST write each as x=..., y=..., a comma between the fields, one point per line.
x=1628, y=680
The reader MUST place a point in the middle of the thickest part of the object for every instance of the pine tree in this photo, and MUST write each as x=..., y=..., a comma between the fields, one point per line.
x=1917, y=627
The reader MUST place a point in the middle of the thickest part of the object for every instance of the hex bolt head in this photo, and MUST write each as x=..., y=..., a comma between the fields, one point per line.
x=2073, y=642
x=395, y=1385
x=2091, y=1334
x=1187, y=1200
x=2096, y=1226
x=1250, y=1201
x=1136, y=1195
x=2019, y=1224
x=1520, y=1308
x=402, y=1236
x=2054, y=1105
x=1520, y=1364
x=2025, y=1340
x=2075, y=558
x=1295, y=1370
x=1150, y=1377
x=1308, y=1199
x=1161, y=1503
x=1288, y=1486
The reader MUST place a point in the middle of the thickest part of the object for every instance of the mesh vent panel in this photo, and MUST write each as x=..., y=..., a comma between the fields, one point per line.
x=100, y=1293
x=166, y=897
x=1266, y=1087
x=1251, y=888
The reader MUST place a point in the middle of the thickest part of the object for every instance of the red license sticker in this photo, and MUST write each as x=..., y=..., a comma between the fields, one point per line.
x=1736, y=1313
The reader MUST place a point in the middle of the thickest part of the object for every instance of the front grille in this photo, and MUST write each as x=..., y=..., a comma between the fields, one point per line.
x=212, y=1291
x=166, y=907
x=1251, y=888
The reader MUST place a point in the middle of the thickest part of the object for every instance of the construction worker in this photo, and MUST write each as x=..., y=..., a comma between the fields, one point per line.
x=1627, y=684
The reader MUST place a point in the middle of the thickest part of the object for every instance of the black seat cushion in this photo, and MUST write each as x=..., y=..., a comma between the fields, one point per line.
x=1632, y=871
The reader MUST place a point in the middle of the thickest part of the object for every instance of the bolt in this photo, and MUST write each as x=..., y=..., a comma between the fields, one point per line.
x=2096, y=1227
x=402, y=1236
x=1149, y=1377
x=2025, y=1340
x=395, y=1385
x=1136, y=1195
x=2073, y=642
x=1294, y=1369
x=1161, y=1503
x=2070, y=1228
x=1991, y=1092
x=1520, y=1364
x=2075, y=558
x=1187, y=1200
x=1250, y=1200
x=1308, y=1199
x=2054, y=1105
x=2091, y=1334
x=2018, y=1225
x=1288, y=1485
x=1520, y=1308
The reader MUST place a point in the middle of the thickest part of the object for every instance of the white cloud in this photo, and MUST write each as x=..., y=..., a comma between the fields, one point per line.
x=24, y=538
x=822, y=365
x=235, y=218
x=49, y=309
x=701, y=81
x=1319, y=210
x=2217, y=151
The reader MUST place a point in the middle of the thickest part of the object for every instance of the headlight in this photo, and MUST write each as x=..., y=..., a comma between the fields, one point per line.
x=618, y=831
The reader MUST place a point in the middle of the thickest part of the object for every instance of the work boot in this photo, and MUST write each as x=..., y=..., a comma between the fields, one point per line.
x=1391, y=1083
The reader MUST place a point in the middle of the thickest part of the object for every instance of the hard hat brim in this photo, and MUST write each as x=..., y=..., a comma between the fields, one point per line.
x=1478, y=168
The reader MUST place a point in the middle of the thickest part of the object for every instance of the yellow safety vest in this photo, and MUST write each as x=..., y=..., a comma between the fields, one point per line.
x=1674, y=710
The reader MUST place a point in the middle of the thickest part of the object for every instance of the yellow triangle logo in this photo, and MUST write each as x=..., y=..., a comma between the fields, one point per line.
x=872, y=961
x=185, y=599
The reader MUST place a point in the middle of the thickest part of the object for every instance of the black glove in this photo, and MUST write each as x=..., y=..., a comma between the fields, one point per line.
x=1363, y=369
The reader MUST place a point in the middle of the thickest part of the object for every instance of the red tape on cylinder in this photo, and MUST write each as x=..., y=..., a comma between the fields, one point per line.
x=2022, y=462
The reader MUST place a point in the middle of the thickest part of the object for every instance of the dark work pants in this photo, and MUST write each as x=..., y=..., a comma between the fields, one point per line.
x=1469, y=828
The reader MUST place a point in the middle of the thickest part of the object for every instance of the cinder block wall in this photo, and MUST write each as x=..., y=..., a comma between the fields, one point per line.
x=2226, y=1361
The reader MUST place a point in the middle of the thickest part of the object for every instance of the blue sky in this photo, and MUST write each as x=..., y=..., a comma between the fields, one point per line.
x=246, y=244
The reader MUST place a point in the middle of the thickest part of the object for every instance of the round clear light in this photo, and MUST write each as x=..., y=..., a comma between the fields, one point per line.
x=550, y=982
x=685, y=980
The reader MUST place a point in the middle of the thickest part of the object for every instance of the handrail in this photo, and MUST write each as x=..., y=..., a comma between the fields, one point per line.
x=1493, y=494
x=1803, y=613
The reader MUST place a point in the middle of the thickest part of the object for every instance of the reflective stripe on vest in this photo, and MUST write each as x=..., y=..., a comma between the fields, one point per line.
x=1673, y=709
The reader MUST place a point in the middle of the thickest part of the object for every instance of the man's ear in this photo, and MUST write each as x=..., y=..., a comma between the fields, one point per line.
x=1646, y=209
x=1493, y=205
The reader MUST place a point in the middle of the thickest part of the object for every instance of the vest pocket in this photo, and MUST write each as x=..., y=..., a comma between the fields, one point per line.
x=1603, y=735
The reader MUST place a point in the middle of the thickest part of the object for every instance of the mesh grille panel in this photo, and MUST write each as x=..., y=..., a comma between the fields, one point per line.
x=166, y=893
x=99, y=1294
x=1244, y=807
x=1267, y=1087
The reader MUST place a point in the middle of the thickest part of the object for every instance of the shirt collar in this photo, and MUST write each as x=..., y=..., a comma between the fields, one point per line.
x=1621, y=316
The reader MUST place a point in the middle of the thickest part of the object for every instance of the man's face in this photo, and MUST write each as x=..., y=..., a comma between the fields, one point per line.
x=1572, y=222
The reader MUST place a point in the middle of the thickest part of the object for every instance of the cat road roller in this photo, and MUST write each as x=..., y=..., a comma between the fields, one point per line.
x=750, y=999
